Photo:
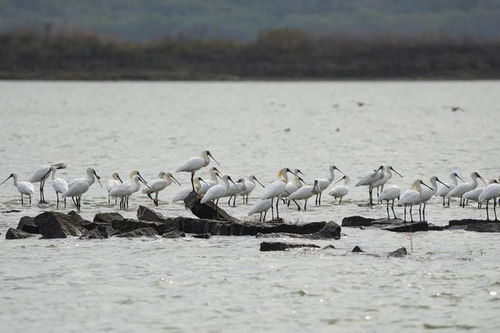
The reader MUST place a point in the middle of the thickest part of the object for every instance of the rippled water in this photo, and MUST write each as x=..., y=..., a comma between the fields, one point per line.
x=450, y=281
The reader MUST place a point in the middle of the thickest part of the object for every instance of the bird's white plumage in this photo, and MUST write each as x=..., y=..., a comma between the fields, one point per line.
x=217, y=191
x=305, y=192
x=79, y=186
x=461, y=189
x=390, y=192
x=260, y=206
x=370, y=178
x=490, y=192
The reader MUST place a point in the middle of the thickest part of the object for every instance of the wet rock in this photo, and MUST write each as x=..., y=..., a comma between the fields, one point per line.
x=147, y=214
x=330, y=230
x=329, y=247
x=483, y=227
x=11, y=211
x=357, y=249
x=409, y=227
x=401, y=252
x=203, y=236
x=385, y=222
x=144, y=232
x=356, y=221
x=462, y=224
x=93, y=234
x=81, y=221
x=433, y=227
x=206, y=210
x=17, y=234
x=174, y=234
x=279, y=246
x=59, y=225
x=27, y=224
x=107, y=217
x=129, y=225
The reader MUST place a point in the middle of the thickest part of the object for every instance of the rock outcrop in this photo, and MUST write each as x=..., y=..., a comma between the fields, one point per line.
x=279, y=246
x=59, y=225
x=17, y=234
x=27, y=224
x=207, y=210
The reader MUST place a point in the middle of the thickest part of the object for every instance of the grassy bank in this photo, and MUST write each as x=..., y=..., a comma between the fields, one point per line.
x=277, y=54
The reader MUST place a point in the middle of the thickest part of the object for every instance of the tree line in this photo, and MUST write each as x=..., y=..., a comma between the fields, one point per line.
x=275, y=54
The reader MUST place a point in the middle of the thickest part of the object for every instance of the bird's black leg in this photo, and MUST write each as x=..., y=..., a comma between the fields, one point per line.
x=277, y=211
x=411, y=213
x=192, y=180
x=487, y=213
x=22, y=202
x=298, y=206
x=388, y=215
x=392, y=207
x=272, y=208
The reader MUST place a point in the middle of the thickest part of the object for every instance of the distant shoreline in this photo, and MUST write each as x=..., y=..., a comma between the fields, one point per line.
x=277, y=55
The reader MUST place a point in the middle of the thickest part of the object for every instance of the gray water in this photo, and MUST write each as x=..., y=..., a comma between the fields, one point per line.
x=449, y=282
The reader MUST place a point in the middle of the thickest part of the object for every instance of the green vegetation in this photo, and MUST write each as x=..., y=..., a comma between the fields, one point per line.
x=275, y=54
x=244, y=19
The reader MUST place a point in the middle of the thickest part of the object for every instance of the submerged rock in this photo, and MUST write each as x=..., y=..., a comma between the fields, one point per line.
x=401, y=252
x=483, y=227
x=59, y=225
x=17, y=234
x=27, y=224
x=128, y=225
x=409, y=227
x=144, y=232
x=207, y=210
x=279, y=246
x=174, y=234
x=107, y=217
x=204, y=236
x=356, y=221
x=357, y=249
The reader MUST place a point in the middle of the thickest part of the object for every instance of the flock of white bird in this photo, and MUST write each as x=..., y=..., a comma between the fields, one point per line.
x=287, y=190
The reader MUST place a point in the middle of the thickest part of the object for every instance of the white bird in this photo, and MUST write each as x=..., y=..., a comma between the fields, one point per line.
x=461, y=189
x=200, y=187
x=293, y=184
x=426, y=194
x=276, y=189
x=217, y=191
x=194, y=164
x=304, y=193
x=157, y=185
x=23, y=187
x=42, y=173
x=491, y=191
x=77, y=187
x=341, y=190
x=212, y=178
x=59, y=185
x=412, y=196
x=386, y=174
x=249, y=187
x=369, y=179
x=390, y=193
x=261, y=207
x=323, y=183
x=474, y=194
x=234, y=190
x=126, y=189
x=444, y=190
x=111, y=183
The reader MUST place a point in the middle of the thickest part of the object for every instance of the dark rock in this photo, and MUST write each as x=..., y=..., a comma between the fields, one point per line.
x=174, y=234
x=144, y=232
x=401, y=252
x=107, y=217
x=59, y=225
x=27, y=224
x=483, y=227
x=128, y=225
x=385, y=222
x=357, y=249
x=147, y=214
x=356, y=221
x=11, y=211
x=464, y=222
x=279, y=246
x=330, y=230
x=106, y=229
x=433, y=227
x=329, y=247
x=206, y=210
x=93, y=234
x=204, y=236
x=409, y=227
x=17, y=234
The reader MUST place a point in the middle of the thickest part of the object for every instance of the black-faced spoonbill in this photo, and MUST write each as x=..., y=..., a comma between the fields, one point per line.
x=59, y=185
x=217, y=191
x=126, y=189
x=200, y=187
x=444, y=190
x=426, y=194
x=42, y=173
x=461, y=189
x=276, y=189
x=369, y=179
x=390, y=193
x=261, y=207
x=194, y=164
x=412, y=196
x=77, y=187
x=157, y=185
x=323, y=183
x=23, y=187
x=304, y=193
x=474, y=194
x=341, y=190
x=491, y=191
x=386, y=173
x=249, y=187
x=111, y=183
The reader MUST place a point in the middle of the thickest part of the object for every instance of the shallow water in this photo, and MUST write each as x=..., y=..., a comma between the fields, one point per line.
x=450, y=281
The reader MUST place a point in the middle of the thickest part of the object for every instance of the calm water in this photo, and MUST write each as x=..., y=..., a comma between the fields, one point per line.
x=450, y=282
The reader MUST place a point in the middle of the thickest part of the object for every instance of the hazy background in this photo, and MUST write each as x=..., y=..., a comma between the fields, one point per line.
x=244, y=19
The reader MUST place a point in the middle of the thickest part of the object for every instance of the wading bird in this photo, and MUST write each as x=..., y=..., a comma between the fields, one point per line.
x=59, y=185
x=412, y=196
x=41, y=174
x=23, y=187
x=491, y=191
x=157, y=185
x=323, y=183
x=217, y=191
x=386, y=174
x=249, y=187
x=461, y=189
x=276, y=189
x=474, y=194
x=304, y=193
x=194, y=164
x=390, y=193
x=426, y=194
x=126, y=189
x=234, y=190
x=110, y=184
x=444, y=190
x=369, y=179
x=341, y=190
x=77, y=187
x=261, y=207
x=200, y=187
